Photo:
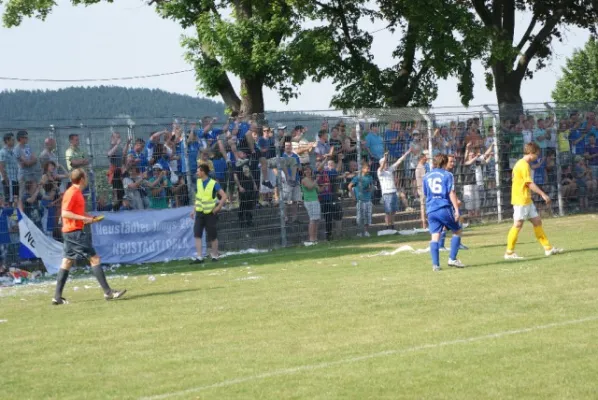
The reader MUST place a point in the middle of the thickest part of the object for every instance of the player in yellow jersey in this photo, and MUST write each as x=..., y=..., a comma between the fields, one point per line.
x=523, y=207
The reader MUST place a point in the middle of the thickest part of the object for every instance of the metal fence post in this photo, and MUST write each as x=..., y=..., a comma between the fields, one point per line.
x=430, y=128
x=557, y=161
x=186, y=162
x=497, y=163
x=281, y=202
x=92, y=181
x=360, y=225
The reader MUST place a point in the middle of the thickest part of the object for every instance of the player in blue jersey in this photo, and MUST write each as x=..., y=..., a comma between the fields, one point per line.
x=442, y=209
x=449, y=167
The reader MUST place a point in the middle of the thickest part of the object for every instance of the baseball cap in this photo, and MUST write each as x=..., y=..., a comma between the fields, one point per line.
x=157, y=166
x=280, y=127
x=127, y=197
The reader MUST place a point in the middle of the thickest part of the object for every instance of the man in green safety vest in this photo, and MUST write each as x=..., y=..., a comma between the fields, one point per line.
x=205, y=213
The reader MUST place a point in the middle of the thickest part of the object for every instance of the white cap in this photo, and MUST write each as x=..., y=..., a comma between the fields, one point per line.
x=157, y=166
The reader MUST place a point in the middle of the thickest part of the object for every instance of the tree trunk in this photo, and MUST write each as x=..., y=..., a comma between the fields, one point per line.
x=252, y=97
x=508, y=88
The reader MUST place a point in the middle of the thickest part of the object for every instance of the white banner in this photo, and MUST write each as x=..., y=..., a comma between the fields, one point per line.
x=40, y=245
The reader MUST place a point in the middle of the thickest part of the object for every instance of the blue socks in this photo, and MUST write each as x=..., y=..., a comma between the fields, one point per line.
x=435, y=253
x=455, y=243
x=442, y=239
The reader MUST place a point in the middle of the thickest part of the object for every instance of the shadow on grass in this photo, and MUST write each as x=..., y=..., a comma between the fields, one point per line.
x=168, y=293
x=132, y=296
x=502, y=261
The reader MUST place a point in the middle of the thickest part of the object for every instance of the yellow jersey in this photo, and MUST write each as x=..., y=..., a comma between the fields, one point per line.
x=521, y=195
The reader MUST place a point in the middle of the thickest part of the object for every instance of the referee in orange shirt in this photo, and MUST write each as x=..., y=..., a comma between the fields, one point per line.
x=77, y=239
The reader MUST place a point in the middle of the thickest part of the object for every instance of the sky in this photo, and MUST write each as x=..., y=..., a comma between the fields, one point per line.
x=128, y=38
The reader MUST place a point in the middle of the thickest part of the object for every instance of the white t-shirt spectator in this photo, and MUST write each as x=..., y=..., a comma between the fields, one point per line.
x=387, y=180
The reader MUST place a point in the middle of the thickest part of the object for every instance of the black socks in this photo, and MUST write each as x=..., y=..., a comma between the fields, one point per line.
x=63, y=275
x=98, y=272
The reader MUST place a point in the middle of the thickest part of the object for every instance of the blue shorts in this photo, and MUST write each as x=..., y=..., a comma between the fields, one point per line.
x=391, y=203
x=441, y=218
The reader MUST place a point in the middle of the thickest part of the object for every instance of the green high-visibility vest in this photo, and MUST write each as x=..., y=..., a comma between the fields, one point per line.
x=204, y=200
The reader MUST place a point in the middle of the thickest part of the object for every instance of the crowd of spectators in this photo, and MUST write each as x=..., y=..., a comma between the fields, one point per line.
x=314, y=169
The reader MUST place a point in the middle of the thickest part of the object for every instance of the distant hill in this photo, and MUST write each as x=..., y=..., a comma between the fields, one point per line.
x=99, y=105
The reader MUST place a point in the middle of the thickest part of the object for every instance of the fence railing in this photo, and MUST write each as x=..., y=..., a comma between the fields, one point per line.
x=262, y=161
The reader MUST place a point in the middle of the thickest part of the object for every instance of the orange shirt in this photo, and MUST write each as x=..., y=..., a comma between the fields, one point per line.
x=74, y=202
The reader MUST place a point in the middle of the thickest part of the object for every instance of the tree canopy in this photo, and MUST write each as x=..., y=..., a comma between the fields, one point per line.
x=579, y=83
x=510, y=59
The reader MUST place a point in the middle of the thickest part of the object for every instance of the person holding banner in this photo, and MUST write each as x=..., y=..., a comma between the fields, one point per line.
x=205, y=212
x=77, y=239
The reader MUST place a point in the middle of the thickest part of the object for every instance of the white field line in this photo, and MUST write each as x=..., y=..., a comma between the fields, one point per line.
x=313, y=367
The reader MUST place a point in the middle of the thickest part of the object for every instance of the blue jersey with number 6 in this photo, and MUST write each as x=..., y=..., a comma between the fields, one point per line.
x=438, y=185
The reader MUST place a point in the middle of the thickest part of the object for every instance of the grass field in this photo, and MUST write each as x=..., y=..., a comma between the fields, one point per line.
x=325, y=322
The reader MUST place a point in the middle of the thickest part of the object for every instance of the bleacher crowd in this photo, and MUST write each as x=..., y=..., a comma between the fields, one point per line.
x=249, y=158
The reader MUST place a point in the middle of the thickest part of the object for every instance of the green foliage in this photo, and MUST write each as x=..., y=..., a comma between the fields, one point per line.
x=513, y=59
x=104, y=102
x=438, y=40
x=579, y=82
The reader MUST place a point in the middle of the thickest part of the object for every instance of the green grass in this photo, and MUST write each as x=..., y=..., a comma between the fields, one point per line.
x=292, y=324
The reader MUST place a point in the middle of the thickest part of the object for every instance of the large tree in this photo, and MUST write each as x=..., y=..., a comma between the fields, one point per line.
x=579, y=83
x=438, y=39
x=511, y=59
x=259, y=41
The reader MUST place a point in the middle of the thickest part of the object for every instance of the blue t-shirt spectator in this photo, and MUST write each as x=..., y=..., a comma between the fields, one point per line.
x=142, y=157
x=193, y=150
x=365, y=194
x=579, y=148
x=375, y=144
x=392, y=148
x=219, y=168
x=540, y=171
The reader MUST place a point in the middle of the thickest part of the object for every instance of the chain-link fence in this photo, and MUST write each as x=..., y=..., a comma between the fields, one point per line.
x=294, y=178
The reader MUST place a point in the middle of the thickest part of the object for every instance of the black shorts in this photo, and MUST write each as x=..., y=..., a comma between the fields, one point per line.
x=77, y=244
x=207, y=222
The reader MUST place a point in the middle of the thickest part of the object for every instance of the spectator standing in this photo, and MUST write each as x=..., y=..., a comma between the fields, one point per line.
x=563, y=143
x=375, y=146
x=9, y=168
x=577, y=137
x=248, y=193
x=50, y=183
x=116, y=156
x=5, y=214
x=49, y=154
x=592, y=155
x=363, y=187
x=290, y=185
x=30, y=203
x=74, y=155
x=386, y=175
x=140, y=155
x=134, y=184
x=28, y=165
x=325, y=180
x=310, y=189
x=158, y=184
x=323, y=149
